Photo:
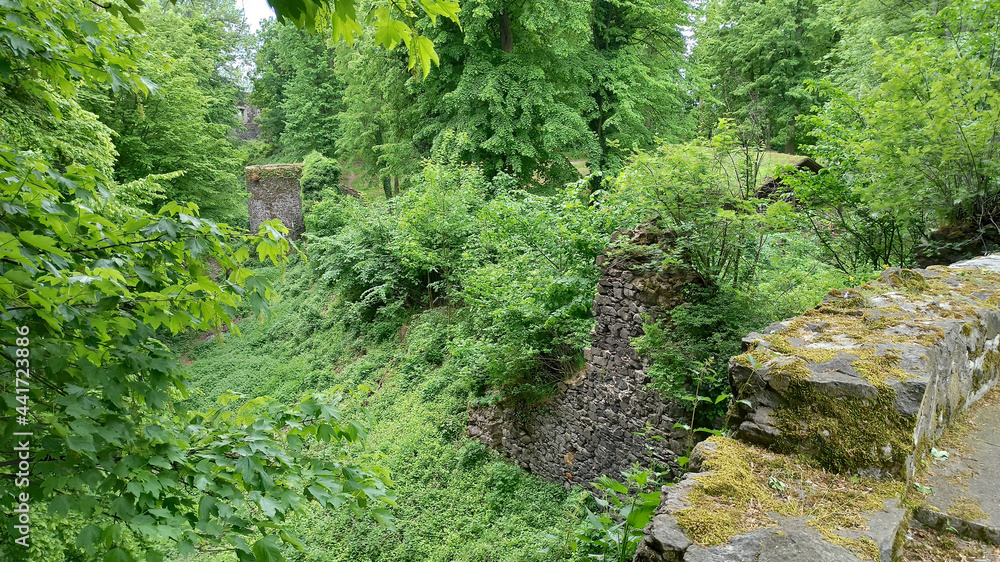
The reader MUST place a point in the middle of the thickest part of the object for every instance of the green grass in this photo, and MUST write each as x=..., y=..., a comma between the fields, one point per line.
x=457, y=500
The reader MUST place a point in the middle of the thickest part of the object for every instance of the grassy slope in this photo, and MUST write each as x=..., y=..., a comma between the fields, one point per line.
x=457, y=500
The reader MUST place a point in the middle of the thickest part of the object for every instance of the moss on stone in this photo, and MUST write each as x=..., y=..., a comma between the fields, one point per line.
x=780, y=343
x=991, y=368
x=863, y=329
x=817, y=355
x=844, y=434
x=794, y=369
x=755, y=357
x=273, y=171
x=877, y=369
x=864, y=547
x=967, y=509
x=744, y=483
x=730, y=500
x=910, y=280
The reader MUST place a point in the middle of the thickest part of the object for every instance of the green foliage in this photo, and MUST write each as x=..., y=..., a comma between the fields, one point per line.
x=853, y=236
x=692, y=344
x=383, y=129
x=456, y=499
x=517, y=94
x=691, y=347
x=718, y=226
x=636, y=92
x=50, y=46
x=297, y=90
x=920, y=144
x=625, y=508
x=755, y=57
x=521, y=266
x=185, y=126
x=387, y=258
x=592, y=77
x=319, y=174
x=529, y=295
x=119, y=468
x=755, y=268
x=91, y=294
x=341, y=18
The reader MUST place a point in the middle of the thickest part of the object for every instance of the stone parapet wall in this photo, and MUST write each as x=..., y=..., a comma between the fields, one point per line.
x=605, y=419
x=867, y=380
x=275, y=194
x=728, y=509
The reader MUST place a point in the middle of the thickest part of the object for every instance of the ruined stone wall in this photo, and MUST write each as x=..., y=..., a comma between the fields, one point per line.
x=593, y=425
x=867, y=380
x=248, y=115
x=275, y=194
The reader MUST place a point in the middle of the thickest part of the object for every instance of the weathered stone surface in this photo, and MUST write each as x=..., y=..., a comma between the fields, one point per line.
x=903, y=355
x=964, y=485
x=605, y=419
x=864, y=381
x=788, y=539
x=275, y=194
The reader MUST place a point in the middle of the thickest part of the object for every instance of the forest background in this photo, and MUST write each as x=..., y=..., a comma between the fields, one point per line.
x=497, y=146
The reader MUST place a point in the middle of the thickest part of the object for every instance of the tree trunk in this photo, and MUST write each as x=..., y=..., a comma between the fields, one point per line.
x=790, y=140
x=506, y=35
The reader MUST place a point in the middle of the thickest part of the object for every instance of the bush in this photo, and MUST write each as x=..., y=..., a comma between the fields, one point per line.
x=392, y=256
x=520, y=267
x=319, y=174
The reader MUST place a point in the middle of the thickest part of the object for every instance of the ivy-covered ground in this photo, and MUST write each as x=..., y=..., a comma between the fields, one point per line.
x=457, y=500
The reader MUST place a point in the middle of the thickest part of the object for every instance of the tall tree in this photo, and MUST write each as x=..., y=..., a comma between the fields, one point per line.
x=756, y=57
x=383, y=127
x=635, y=84
x=298, y=91
x=186, y=126
x=518, y=89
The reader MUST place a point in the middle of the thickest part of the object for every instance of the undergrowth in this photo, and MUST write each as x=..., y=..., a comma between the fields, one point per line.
x=457, y=499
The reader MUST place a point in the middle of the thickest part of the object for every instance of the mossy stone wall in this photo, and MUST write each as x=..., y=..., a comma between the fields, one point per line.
x=867, y=380
x=275, y=194
x=605, y=419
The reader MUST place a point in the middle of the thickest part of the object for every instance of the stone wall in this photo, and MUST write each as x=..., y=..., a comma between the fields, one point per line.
x=275, y=194
x=728, y=510
x=861, y=385
x=864, y=382
x=603, y=420
x=248, y=115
